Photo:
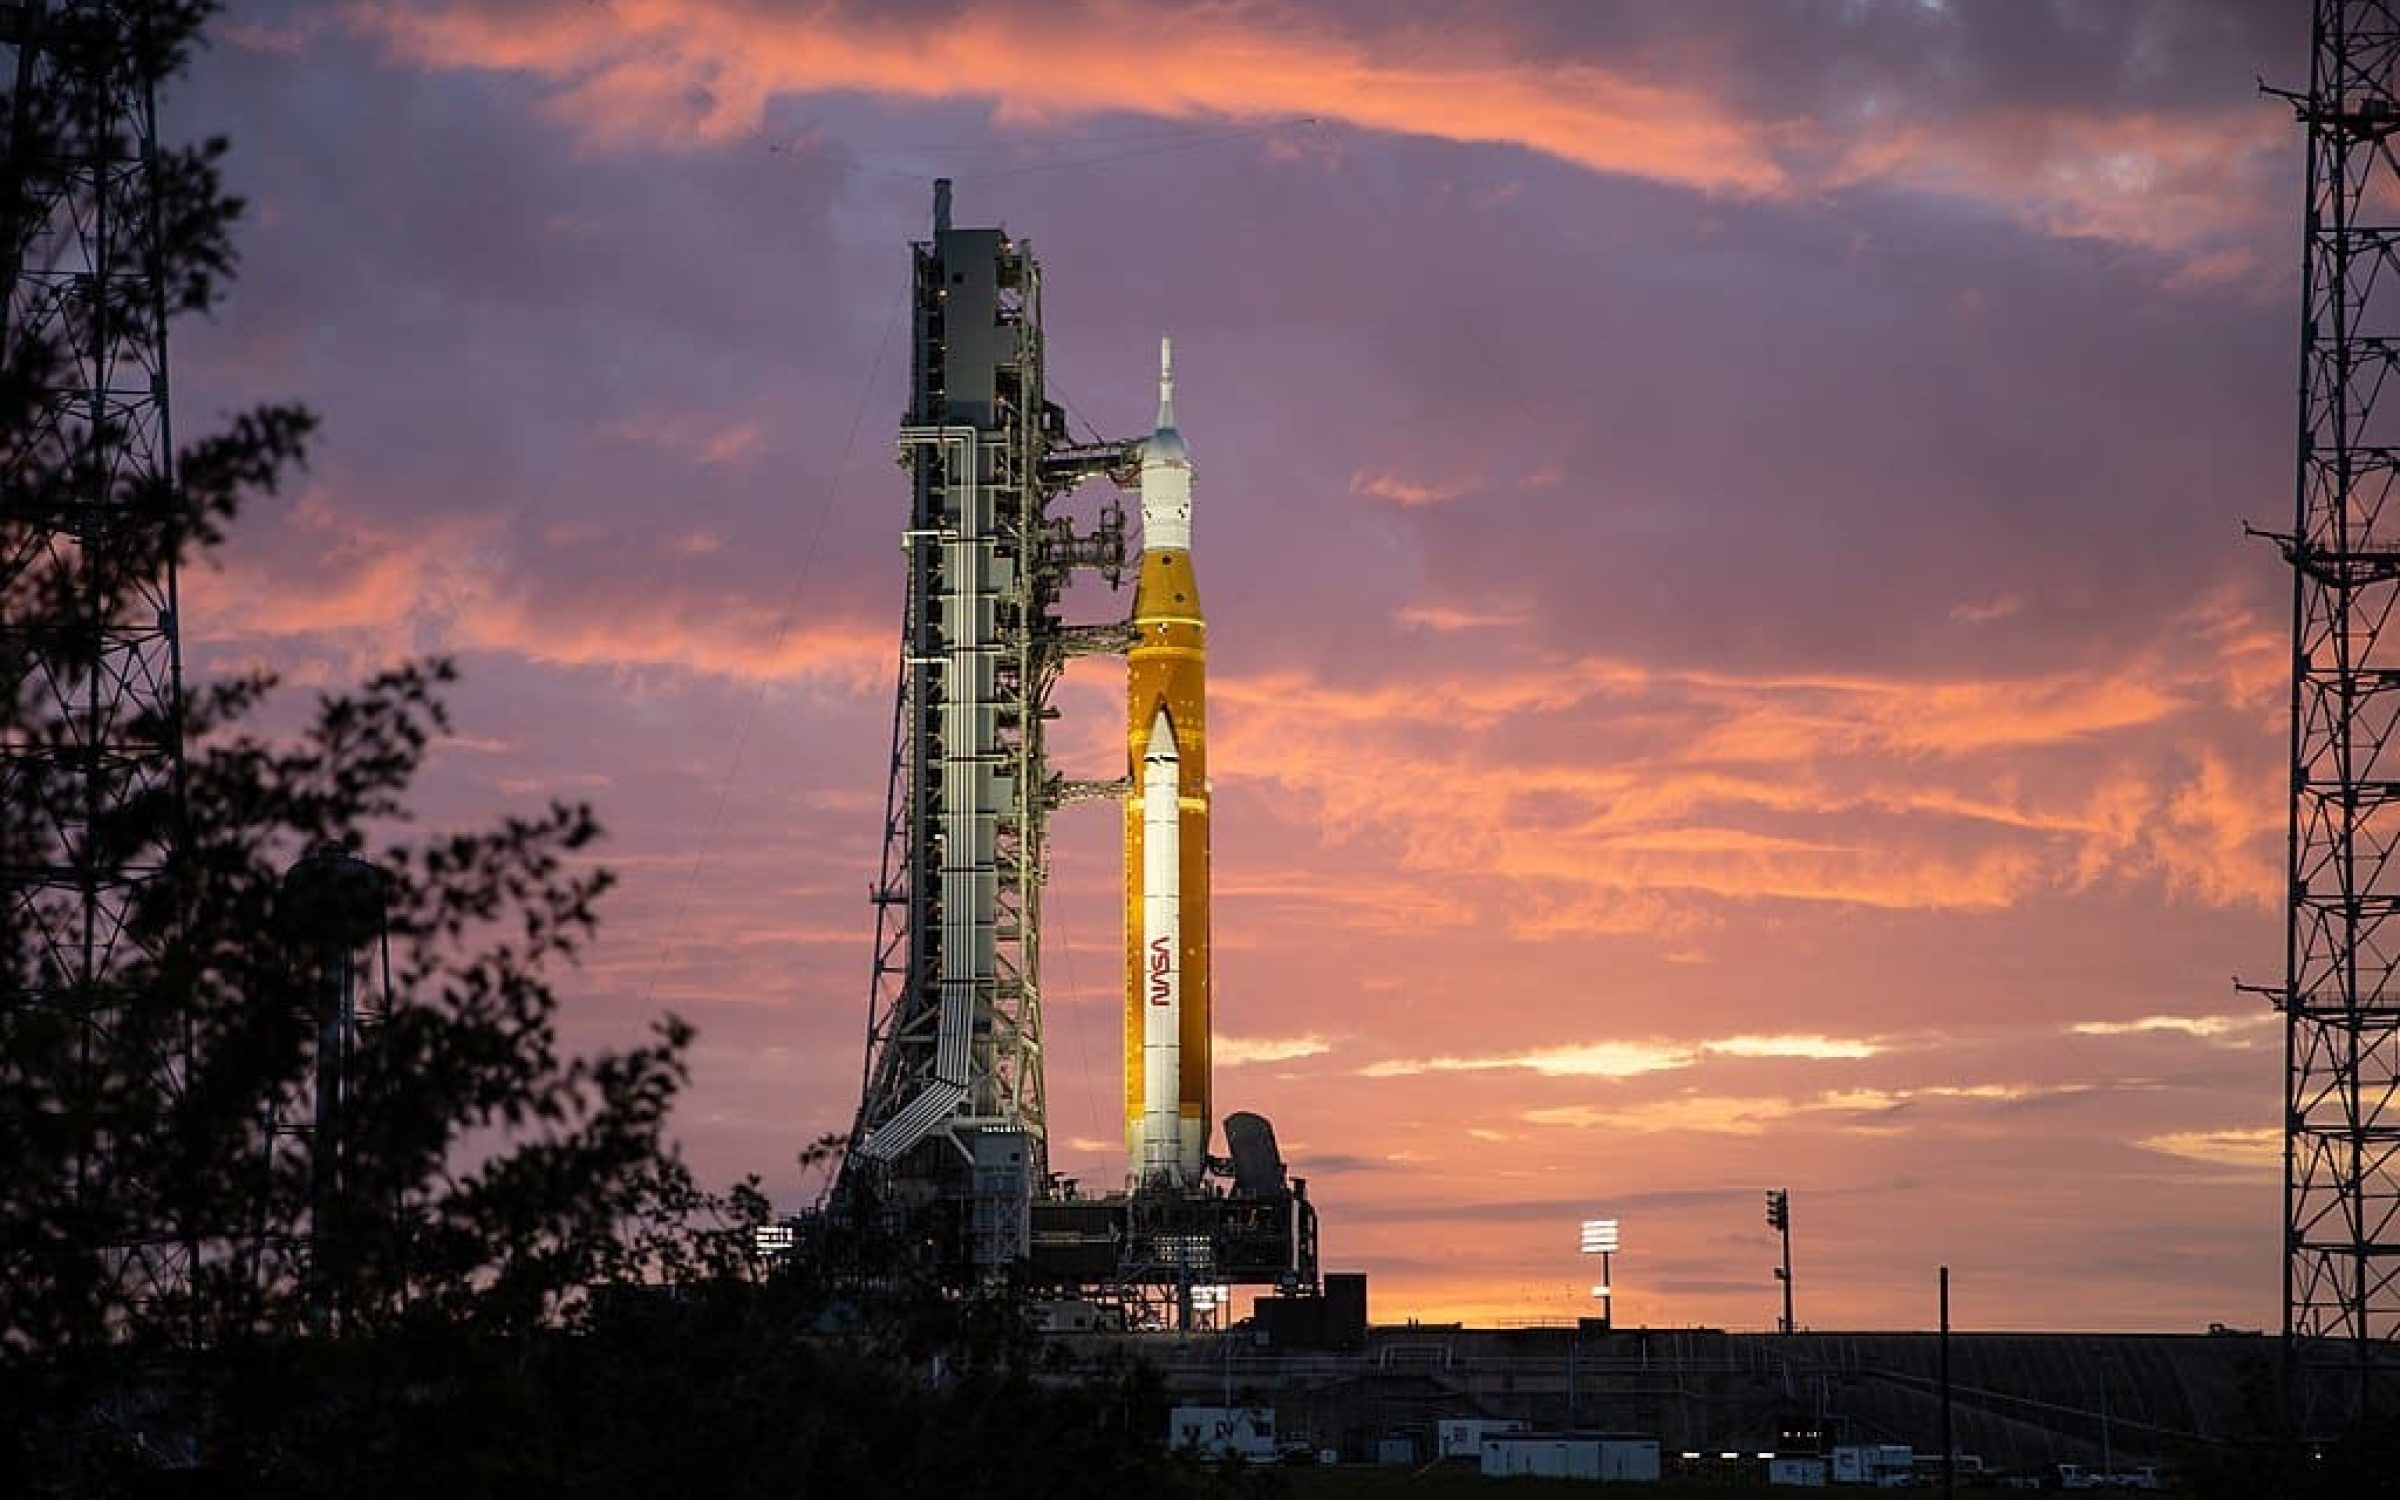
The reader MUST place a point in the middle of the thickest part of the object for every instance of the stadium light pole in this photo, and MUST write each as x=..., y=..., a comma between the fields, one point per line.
x=1779, y=1218
x=1600, y=1238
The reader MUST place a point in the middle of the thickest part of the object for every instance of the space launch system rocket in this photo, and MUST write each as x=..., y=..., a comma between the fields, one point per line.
x=1166, y=828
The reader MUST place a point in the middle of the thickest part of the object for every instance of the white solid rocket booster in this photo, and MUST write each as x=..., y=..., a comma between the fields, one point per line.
x=1162, y=943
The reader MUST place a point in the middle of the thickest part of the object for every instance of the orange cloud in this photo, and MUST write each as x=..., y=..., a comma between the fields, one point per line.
x=676, y=72
x=385, y=593
x=706, y=440
x=1750, y=1115
x=703, y=70
x=2254, y=1152
x=1443, y=620
x=1406, y=493
x=1235, y=1051
x=1624, y=1059
x=1593, y=795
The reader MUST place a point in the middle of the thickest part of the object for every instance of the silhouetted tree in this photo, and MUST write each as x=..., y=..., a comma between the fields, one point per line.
x=513, y=1284
x=489, y=1181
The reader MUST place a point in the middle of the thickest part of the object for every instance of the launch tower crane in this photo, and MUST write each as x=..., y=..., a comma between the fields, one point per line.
x=953, y=1109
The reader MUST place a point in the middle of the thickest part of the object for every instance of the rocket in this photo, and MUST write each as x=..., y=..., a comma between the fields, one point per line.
x=1166, y=828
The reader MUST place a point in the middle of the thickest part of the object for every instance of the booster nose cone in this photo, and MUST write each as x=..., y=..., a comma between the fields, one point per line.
x=1162, y=749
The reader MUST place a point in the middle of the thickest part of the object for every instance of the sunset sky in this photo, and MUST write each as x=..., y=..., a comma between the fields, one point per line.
x=1734, y=661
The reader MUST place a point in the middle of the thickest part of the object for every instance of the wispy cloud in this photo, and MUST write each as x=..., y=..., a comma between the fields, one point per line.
x=1409, y=493
x=2249, y=1151
x=1446, y=619
x=1984, y=612
x=1716, y=1114
x=1697, y=1113
x=669, y=71
x=1236, y=1051
x=1812, y=1047
x=2208, y=1027
x=1589, y=795
x=389, y=591
x=699, y=71
x=1585, y=1060
x=1624, y=1059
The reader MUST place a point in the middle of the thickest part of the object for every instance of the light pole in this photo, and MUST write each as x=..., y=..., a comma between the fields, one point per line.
x=1600, y=1238
x=1779, y=1218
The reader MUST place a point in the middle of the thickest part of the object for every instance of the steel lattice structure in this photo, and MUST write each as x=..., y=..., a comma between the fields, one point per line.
x=2341, y=998
x=953, y=1105
x=87, y=581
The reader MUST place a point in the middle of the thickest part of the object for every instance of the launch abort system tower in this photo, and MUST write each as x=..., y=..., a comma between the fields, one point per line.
x=950, y=1147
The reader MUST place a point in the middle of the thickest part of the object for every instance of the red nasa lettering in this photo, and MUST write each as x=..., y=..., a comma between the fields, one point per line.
x=1162, y=961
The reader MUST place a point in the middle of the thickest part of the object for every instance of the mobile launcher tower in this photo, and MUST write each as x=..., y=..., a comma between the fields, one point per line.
x=949, y=1154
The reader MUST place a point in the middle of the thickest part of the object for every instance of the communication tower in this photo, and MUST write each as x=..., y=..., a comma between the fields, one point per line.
x=88, y=607
x=2341, y=992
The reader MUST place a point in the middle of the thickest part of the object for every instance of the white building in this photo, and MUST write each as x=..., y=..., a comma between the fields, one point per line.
x=1462, y=1437
x=1797, y=1473
x=1243, y=1432
x=1570, y=1456
x=1889, y=1466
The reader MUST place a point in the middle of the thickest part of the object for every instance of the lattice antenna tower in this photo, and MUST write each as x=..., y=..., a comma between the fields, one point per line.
x=954, y=1102
x=88, y=598
x=2341, y=995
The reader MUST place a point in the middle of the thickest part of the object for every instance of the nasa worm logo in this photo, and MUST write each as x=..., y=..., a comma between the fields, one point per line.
x=1162, y=967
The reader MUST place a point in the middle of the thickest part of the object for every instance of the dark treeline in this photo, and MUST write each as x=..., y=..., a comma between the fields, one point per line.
x=511, y=1284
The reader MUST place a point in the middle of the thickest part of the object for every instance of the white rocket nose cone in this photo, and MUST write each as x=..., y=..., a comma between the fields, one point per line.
x=1166, y=468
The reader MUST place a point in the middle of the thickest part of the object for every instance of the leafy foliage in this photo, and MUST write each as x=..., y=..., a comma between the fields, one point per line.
x=166, y=1100
x=462, y=1261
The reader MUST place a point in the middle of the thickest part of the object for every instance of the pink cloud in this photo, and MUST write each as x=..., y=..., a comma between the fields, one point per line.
x=385, y=592
x=652, y=72
x=703, y=70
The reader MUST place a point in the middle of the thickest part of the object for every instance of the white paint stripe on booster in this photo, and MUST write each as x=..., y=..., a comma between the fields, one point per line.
x=1162, y=949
